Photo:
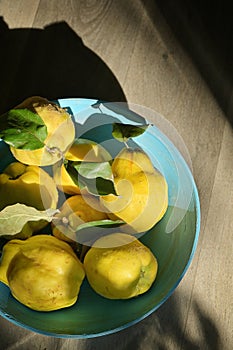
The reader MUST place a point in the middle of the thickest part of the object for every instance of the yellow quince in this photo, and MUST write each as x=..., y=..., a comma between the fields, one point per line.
x=75, y=211
x=60, y=129
x=81, y=150
x=29, y=185
x=42, y=272
x=118, y=266
x=142, y=190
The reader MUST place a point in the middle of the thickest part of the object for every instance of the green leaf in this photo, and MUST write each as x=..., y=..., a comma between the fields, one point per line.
x=23, y=129
x=14, y=217
x=88, y=232
x=100, y=223
x=97, y=178
x=98, y=186
x=123, y=132
x=92, y=170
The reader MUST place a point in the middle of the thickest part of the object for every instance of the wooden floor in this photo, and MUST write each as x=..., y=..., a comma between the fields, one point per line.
x=136, y=51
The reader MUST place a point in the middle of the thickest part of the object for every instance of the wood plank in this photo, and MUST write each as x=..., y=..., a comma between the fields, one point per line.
x=101, y=28
x=15, y=17
x=19, y=14
x=206, y=32
x=214, y=281
x=173, y=87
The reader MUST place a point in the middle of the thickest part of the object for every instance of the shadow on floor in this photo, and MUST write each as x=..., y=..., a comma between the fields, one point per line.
x=52, y=62
x=205, y=30
x=164, y=329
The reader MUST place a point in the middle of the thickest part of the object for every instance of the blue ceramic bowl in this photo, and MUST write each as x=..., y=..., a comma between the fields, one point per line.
x=173, y=240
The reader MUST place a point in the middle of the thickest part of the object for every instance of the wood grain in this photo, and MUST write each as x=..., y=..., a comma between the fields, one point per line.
x=131, y=53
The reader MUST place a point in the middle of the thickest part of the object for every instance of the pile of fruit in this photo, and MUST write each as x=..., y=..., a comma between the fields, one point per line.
x=69, y=211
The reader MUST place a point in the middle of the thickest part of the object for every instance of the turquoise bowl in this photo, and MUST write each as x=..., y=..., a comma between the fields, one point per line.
x=173, y=240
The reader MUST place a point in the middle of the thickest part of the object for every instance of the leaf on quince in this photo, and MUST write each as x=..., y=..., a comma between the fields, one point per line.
x=97, y=178
x=88, y=232
x=23, y=129
x=100, y=223
x=123, y=132
x=92, y=170
x=13, y=218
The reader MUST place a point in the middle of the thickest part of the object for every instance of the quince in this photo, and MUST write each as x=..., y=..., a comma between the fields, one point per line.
x=75, y=211
x=142, y=191
x=80, y=150
x=118, y=266
x=42, y=272
x=29, y=185
x=60, y=128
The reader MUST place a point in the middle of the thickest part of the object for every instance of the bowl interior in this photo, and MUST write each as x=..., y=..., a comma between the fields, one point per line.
x=173, y=240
